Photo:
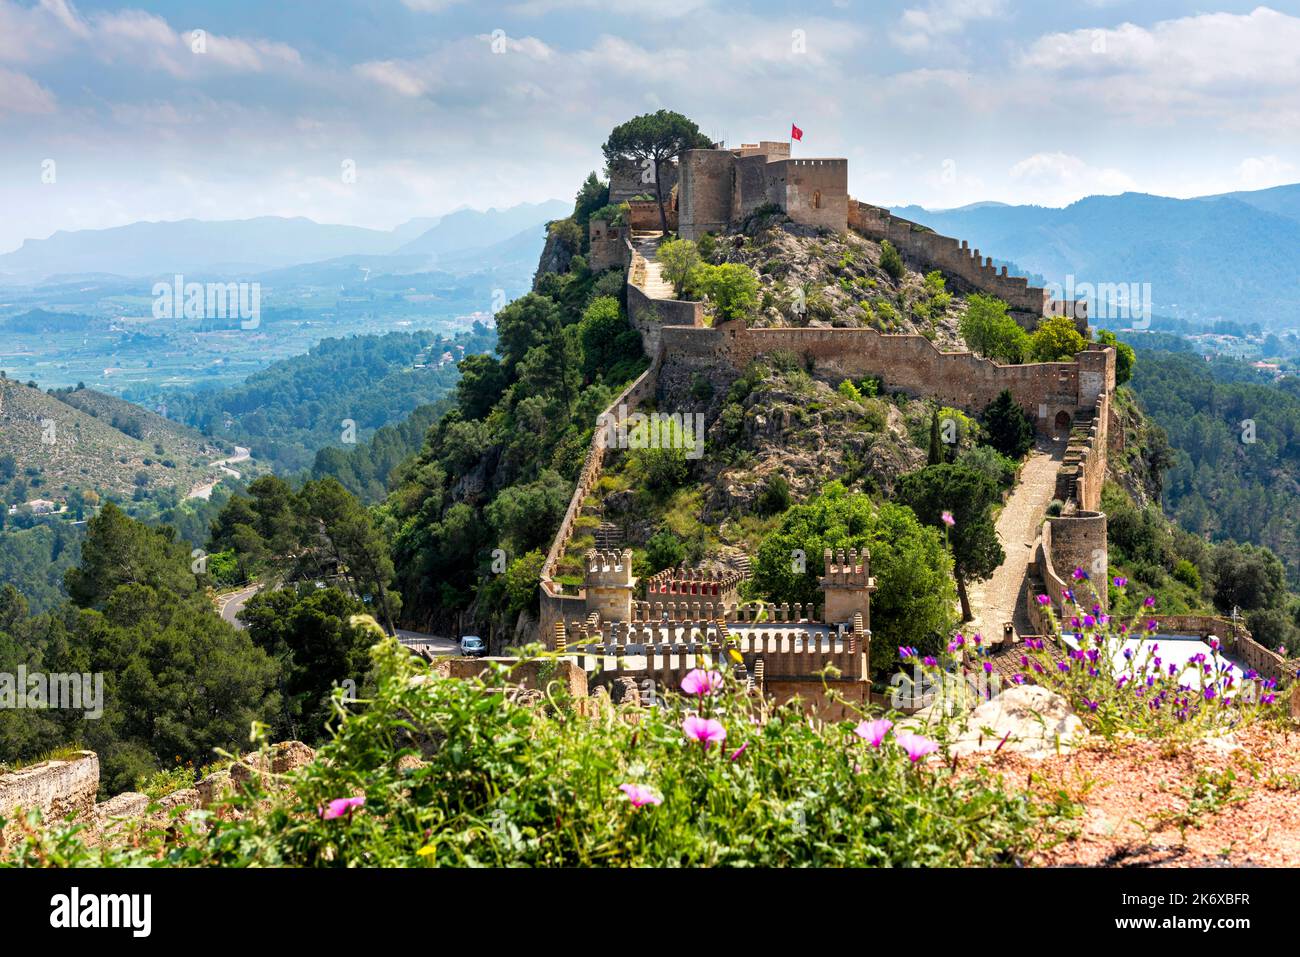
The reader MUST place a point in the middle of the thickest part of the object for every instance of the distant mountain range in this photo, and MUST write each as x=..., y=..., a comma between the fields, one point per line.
x=241, y=248
x=1233, y=256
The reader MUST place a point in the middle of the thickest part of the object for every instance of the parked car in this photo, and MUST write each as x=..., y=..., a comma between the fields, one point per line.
x=472, y=646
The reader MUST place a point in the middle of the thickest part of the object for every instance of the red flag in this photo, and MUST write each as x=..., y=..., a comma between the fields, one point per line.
x=795, y=132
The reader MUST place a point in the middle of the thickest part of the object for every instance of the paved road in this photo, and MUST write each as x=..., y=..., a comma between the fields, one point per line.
x=205, y=491
x=1001, y=598
x=230, y=605
x=437, y=644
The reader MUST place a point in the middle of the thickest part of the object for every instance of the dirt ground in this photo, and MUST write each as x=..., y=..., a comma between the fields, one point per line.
x=1232, y=802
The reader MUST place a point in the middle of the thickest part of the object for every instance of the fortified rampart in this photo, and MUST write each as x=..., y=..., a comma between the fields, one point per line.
x=907, y=363
x=972, y=271
x=555, y=604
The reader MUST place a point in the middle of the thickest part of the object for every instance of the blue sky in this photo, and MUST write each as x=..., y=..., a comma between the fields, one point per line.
x=937, y=102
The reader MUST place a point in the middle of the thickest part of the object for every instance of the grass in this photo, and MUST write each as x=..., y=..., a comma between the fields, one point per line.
x=65, y=752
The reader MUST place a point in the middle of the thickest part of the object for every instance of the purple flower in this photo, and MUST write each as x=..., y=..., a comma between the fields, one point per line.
x=916, y=746
x=706, y=731
x=341, y=807
x=1092, y=705
x=931, y=661
x=1044, y=600
x=1079, y=574
x=701, y=682
x=739, y=751
x=1150, y=601
x=988, y=667
x=948, y=519
x=640, y=796
x=873, y=732
x=1120, y=581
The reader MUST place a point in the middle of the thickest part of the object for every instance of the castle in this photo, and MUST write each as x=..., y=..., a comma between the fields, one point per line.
x=684, y=618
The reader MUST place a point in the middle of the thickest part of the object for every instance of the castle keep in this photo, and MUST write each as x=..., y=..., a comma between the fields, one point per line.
x=720, y=187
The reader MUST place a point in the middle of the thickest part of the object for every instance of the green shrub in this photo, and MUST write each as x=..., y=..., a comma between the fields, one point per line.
x=890, y=261
x=1188, y=574
x=775, y=496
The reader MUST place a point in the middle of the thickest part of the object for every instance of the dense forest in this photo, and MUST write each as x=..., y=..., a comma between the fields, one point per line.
x=292, y=409
x=1236, y=441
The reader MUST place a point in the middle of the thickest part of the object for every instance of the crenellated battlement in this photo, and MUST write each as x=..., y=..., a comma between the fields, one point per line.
x=848, y=568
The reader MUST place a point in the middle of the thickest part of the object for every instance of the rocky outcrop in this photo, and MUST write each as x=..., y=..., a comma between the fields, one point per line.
x=1028, y=719
x=557, y=254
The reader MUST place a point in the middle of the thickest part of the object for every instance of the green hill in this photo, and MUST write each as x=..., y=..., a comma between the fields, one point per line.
x=78, y=440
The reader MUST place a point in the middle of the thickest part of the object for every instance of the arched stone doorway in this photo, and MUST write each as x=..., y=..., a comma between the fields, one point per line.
x=1062, y=424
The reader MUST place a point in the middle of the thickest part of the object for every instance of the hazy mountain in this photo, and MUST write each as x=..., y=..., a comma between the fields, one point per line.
x=241, y=248
x=1228, y=257
x=471, y=229
x=518, y=252
x=190, y=245
x=1282, y=200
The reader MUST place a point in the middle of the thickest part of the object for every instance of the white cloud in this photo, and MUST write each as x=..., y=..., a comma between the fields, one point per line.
x=628, y=8
x=1213, y=53
x=920, y=27
x=1055, y=179
x=19, y=93
x=1261, y=172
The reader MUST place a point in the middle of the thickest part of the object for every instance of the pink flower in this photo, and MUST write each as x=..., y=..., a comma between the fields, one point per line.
x=1044, y=600
x=640, y=796
x=873, y=732
x=739, y=751
x=341, y=807
x=917, y=746
x=948, y=519
x=706, y=731
x=702, y=682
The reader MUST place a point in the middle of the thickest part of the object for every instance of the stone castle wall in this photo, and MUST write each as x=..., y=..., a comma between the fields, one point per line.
x=967, y=265
x=556, y=606
x=627, y=179
x=906, y=363
x=720, y=187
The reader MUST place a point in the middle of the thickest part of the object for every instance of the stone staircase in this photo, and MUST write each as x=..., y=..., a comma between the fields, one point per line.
x=654, y=284
x=608, y=536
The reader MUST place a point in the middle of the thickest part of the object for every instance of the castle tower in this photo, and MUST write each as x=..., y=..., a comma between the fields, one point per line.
x=609, y=584
x=847, y=586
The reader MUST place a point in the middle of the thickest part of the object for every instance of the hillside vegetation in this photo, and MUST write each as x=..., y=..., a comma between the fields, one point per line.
x=60, y=443
x=289, y=411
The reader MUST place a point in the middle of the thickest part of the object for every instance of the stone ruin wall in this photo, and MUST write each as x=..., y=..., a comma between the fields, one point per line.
x=626, y=180
x=555, y=605
x=63, y=789
x=906, y=363
x=55, y=788
x=957, y=259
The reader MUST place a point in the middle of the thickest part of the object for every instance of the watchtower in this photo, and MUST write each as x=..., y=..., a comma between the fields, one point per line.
x=847, y=586
x=610, y=584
